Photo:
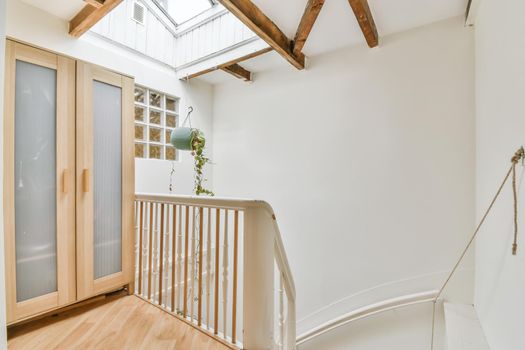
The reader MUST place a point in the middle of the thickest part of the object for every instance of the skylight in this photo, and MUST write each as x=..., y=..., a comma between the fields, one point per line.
x=183, y=10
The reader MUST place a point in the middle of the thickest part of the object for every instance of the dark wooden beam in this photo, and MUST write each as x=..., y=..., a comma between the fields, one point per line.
x=229, y=63
x=313, y=7
x=89, y=16
x=366, y=21
x=238, y=72
x=261, y=25
x=469, y=4
x=471, y=12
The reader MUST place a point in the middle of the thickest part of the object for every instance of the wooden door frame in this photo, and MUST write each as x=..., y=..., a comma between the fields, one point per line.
x=65, y=166
x=87, y=286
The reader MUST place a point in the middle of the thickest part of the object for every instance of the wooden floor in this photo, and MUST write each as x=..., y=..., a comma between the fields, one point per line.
x=119, y=322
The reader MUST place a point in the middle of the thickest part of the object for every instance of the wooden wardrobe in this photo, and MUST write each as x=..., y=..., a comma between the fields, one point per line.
x=68, y=181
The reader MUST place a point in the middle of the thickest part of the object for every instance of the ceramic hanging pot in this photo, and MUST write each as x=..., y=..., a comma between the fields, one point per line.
x=182, y=138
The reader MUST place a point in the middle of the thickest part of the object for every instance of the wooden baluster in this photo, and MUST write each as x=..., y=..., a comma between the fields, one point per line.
x=199, y=307
x=161, y=251
x=208, y=268
x=141, y=223
x=281, y=312
x=179, y=261
x=225, y=275
x=216, y=289
x=154, y=284
x=173, y=255
x=136, y=207
x=150, y=248
x=166, y=258
x=192, y=261
x=290, y=324
x=185, y=281
x=235, y=257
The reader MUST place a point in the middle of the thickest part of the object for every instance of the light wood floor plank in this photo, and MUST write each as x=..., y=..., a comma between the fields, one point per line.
x=119, y=322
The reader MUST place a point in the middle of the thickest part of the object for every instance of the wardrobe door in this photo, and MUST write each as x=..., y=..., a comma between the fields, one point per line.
x=105, y=180
x=39, y=196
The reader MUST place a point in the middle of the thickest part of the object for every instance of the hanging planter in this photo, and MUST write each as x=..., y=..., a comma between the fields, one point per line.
x=182, y=138
x=192, y=139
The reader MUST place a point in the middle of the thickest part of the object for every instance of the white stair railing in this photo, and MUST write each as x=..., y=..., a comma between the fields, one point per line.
x=218, y=264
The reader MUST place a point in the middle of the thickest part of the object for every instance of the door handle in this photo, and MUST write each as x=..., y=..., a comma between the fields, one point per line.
x=85, y=180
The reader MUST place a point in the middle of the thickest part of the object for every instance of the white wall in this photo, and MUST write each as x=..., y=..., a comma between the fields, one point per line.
x=31, y=25
x=367, y=158
x=3, y=335
x=500, y=130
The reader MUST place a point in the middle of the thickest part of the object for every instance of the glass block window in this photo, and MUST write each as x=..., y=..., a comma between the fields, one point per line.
x=156, y=115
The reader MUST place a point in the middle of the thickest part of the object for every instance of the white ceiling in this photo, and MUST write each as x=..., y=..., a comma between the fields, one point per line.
x=337, y=26
x=65, y=9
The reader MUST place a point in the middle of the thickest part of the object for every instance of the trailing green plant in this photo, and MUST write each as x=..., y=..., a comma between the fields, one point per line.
x=198, y=144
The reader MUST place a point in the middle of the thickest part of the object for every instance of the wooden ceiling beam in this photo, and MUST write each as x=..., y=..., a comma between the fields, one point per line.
x=238, y=72
x=95, y=3
x=229, y=63
x=261, y=25
x=366, y=21
x=312, y=10
x=471, y=12
x=89, y=16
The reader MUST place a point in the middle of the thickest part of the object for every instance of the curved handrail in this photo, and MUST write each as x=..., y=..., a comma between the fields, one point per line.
x=367, y=311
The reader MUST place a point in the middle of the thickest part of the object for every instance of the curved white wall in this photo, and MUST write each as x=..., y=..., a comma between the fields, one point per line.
x=367, y=157
x=500, y=130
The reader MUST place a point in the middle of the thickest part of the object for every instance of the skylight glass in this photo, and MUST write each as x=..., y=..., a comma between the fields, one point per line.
x=183, y=10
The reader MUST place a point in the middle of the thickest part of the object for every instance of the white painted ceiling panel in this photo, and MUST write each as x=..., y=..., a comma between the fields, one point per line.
x=65, y=9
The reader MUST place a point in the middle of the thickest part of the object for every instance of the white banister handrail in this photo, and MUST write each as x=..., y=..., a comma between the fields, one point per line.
x=282, y=262
x=263, y=250
x=213, y=202
x=367, y=311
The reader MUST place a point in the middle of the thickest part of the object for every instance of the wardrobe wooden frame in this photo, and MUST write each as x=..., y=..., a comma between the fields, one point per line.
x=74, y=141
x=86, y=284
x=65, y=164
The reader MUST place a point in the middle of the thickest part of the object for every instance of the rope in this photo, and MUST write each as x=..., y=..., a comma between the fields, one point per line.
x=519, y=155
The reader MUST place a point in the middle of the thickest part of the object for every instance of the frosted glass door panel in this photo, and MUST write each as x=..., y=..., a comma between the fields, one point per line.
x=107, y=168
x=35, y=181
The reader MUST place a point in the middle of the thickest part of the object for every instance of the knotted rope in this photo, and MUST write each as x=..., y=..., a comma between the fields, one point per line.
x=515, y=159
x=518, y=155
